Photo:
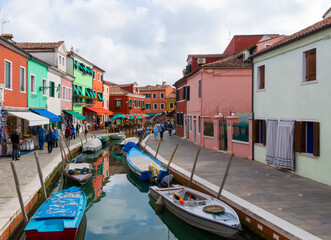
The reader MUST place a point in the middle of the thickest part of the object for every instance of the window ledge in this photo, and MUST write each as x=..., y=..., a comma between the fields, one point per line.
x=260, y=90
x=242, y=142
x=259, y=144
x=308, y=155
x=309, y=83
x=208, y=137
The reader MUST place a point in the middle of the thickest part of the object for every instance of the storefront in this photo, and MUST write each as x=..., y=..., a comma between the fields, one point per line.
x=95, y=115
x=55, y=120
x=71, y=117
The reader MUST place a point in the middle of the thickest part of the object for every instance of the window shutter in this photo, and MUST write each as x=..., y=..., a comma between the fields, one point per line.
x=188, y=93
x=316, y=139
x=312, y=64
x=299, y=137
x=262, y=77
x=264, y=132
x=256, y=131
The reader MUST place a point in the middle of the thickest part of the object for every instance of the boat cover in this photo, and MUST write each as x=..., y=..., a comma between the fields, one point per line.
x=92, y=145
x=129, y=146
x=63, y=204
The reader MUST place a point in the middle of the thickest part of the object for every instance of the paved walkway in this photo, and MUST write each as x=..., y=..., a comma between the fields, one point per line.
x=300, y=201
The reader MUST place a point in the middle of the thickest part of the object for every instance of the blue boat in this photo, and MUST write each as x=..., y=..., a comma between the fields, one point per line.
x=144, y=166
x=58, y=217
x=127, y=147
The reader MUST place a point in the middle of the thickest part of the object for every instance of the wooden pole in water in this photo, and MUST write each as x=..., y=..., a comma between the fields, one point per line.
x=81, y=140
x=62, y=154
x=158, y=147
x=172, y=156
x=225, y=176
x=41, y=178
x=147, y=141
x=66, y=144
x=193, y=169
x=19, y=194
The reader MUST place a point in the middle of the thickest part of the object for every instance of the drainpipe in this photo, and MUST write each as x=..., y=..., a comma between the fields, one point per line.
x=253, y=158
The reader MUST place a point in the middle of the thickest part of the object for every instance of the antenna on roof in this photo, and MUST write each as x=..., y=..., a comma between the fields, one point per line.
x=4, y=21
x=229, y=36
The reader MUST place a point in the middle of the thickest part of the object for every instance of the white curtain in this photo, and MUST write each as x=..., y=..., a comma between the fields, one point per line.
x=272, y=126
x=284, y=155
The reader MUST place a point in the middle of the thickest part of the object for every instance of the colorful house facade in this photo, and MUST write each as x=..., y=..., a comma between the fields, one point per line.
x=291, y=92
x=170, y=102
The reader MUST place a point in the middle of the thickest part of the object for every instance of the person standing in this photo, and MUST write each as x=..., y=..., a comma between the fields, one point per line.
x=67, y=134
x=77, y=129
x=86, y=128
x=156, y=130
x=56, y=135
x=50, y=140
x=73, y=132
x=41, y=132
x=169, y=126
x=161, y=130
x=15, y=139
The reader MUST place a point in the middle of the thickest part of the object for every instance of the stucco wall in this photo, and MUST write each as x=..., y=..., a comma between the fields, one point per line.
x=287, y=97
x=54, y=103
x=66, y=103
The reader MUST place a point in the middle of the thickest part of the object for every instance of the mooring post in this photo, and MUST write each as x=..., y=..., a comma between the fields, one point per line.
x=172, y=156
x=19, y=194
x=66, y=144
x=41, y=178
x=193, y=169
x=81, y=140
x=159, y=205
x=149, y=135
x=225, y=176
x=158, y=147
x=64, y=160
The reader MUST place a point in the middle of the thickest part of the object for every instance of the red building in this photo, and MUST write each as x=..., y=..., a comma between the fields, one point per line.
x=126, y=99
x=181, y=106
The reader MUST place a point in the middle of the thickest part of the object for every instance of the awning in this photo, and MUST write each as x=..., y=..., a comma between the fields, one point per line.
x=87, y=92
x=76, y=91
x=118, y=116
x=138, y=116
x=32, y=118
x=128, y=116
x=99, y=111
x=52, y=117
x=76, y=115
x=153, y=114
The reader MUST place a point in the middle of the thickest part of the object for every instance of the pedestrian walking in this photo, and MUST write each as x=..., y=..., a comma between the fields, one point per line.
x=169, y=127
x=73, y=131
x=156, y=130
x=77, y=129
x=161, y=130
x=50, y=140
x=86, y=128
x=67, y=134
x=15, y=140
x=56, y=135
x=41, y=133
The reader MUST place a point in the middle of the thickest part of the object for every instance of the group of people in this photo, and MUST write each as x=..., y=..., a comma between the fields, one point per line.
x=51, y=137
x=161, y=128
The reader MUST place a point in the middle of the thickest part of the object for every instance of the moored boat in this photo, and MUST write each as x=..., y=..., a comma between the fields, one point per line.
x=58, y=217
x=130, y=139
x=92, y=145
x=79, y=172
x=116, y=136
x=144, y=166
x=199, y=209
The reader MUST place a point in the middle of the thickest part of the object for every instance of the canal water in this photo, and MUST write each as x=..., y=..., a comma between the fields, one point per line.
x=119, y=206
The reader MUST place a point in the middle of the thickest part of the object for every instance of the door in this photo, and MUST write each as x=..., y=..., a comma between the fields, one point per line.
x=194, y=130
x=187, y=120
x=223, y=135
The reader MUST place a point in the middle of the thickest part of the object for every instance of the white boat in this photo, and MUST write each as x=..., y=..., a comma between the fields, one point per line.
x=79, y=172
x=92, y=145
x=116, y=136
x=130, y=139
x=193, y=207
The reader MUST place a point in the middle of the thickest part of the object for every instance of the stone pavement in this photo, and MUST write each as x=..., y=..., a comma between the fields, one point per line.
x=297, y=200
x=26, y=169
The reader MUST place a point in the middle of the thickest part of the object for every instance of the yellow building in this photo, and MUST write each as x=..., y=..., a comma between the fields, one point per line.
x=170, y=102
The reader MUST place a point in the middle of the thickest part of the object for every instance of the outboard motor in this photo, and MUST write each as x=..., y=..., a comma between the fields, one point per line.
x=166, y=181
x=154, y=178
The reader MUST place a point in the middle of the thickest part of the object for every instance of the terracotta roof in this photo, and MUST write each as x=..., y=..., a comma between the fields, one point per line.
x=39, y=45
x=126, y=85
x=153, y=88
x=327, y=12
x=108, y=82
x=317, y=27
x=117, y=90
x=234, y=61
x=171, y=95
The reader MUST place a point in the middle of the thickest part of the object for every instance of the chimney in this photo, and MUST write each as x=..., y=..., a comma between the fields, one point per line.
x=8, y=37
x=163, y=83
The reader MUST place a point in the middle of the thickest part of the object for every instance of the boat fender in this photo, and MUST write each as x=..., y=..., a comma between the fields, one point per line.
x=177, y=196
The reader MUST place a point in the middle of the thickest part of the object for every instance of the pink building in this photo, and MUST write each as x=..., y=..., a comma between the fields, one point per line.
x=66, y=98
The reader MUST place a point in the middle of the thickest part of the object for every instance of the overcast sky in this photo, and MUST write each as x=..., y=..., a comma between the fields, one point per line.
x=148, y=40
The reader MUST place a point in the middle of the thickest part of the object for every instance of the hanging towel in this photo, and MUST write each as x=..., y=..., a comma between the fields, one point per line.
x=272, y=126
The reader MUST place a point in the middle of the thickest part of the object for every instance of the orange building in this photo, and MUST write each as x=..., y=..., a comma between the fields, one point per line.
x=97, y=86
x=155, y=98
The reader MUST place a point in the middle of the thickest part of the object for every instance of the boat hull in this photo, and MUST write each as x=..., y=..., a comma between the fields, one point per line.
x=66, y=234
x=194, y=220
x=117, y=136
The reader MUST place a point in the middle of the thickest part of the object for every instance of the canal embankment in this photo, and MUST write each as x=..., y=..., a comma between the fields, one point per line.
x=51, y=164
x=273, y=203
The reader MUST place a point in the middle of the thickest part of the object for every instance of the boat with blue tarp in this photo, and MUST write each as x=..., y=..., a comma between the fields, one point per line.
x=58, y=217
x=144, y=166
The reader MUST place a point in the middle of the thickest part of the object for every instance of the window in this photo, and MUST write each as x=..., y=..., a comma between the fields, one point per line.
x=101, y=77
x=177, y=118
x=184, y=92
x=139, y=103
x=181, y=119
x=261, y=77
x=51, y=89
x=33, y=83
x=208, y=129
x=118, y=103
x=171, y=105
x=135, y=103
x=154, y=95
x=22, y=79
x=155, y=106
x=137, y=90
x=162, y=106
x=63, y=61
x=142, y=104
x=199, y=88
x=148, y=106
x=260, y=131
x=306, y=137
x=191, y=123
x=8, y=75
x=44, y=87
x=310, y=65
x=162, y=95
x=199, y=124
x=59, y=91
x=69, y=94
x=130, y=103
x=148, y=95
x=177, y=95
x=59, y=60
x=98, y=77
x=188, y=93
x=107, y=104
x=107, y=89
x=64, y=92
